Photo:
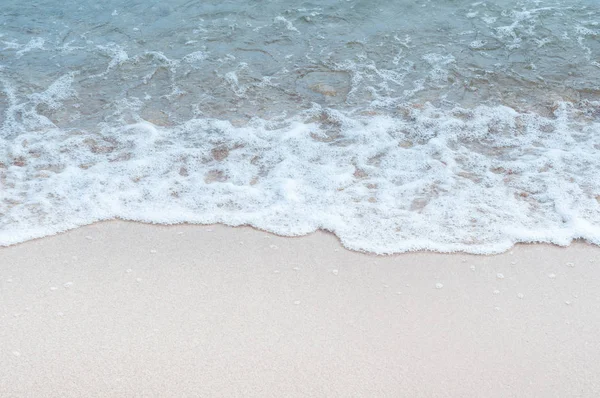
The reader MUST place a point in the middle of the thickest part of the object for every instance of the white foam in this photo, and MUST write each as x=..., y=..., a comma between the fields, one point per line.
x=195, y=57
x=439, y=64
x=117, y=54
x=36, y=43
x=458, y=180
x=288, y=24
x=373, y=162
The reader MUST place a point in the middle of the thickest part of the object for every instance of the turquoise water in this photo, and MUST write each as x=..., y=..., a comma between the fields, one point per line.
x=406, y=125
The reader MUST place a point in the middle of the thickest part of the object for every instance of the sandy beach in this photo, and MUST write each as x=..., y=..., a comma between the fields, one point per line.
x=124, y=309
x=272, y=159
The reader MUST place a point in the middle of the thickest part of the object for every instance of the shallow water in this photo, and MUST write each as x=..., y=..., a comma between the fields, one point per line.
x=406, y=125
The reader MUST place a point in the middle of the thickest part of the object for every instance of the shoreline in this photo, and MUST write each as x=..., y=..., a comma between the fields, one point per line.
x=128, y=309
x=574, y=241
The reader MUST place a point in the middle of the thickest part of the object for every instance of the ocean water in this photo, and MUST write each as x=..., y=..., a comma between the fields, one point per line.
x=443, y=125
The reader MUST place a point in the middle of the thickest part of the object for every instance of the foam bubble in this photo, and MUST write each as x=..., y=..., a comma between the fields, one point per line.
x=489, y=177
x=33, y=44
x=288, y=24
x=374, y=132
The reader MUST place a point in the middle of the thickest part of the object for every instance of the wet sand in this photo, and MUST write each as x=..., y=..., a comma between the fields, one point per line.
x=124, y=309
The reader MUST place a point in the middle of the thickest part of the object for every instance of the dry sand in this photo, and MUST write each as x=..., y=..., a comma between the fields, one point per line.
x=122, y=309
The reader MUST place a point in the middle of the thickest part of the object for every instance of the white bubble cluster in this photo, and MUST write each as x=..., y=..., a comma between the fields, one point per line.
x=380, y=135
x=384, y=184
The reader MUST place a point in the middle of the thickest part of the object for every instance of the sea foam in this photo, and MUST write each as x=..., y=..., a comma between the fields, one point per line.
x=398, y=126
x=475, y=180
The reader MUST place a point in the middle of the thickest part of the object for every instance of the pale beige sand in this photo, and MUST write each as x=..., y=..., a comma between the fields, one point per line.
x=122, y=309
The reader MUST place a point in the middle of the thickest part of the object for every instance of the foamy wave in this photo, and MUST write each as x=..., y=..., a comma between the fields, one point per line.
x=465, y=127
x=475, y=180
